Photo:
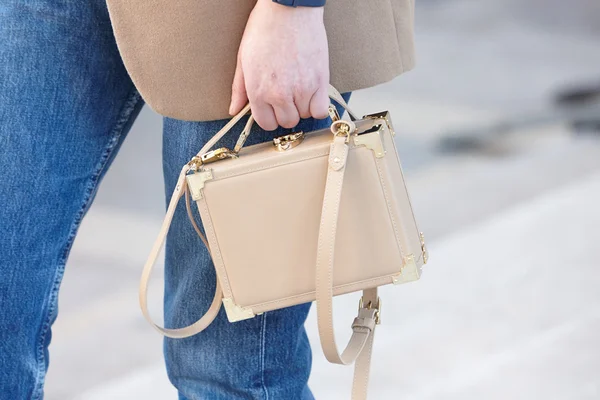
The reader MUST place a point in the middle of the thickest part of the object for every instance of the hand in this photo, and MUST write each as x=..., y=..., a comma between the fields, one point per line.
x=283, y=66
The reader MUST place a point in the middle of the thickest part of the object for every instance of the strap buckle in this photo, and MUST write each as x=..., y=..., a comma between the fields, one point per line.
x=370, y=306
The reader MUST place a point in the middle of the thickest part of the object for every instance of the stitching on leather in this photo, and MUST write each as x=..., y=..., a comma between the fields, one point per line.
x=368, y=357
x=216, y=252
x=279, y=164
x=116, y=134
x=389, y=206
x=319, y=261
x=336, y=210
x=381, y=279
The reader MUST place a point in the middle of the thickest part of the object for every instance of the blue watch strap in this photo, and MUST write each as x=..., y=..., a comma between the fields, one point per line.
x=301, y=3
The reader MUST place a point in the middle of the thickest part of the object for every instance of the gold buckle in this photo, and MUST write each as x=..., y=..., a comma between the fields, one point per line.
x=370, y=306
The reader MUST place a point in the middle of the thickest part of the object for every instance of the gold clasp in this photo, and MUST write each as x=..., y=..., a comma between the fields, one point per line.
x=288, y=142
x=343, y=128
x=369, y=306
x=218, y=154
x=212, y=156
x=195, y=163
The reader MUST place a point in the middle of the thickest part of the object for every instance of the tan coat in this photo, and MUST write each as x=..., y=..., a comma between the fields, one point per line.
x=181, y=54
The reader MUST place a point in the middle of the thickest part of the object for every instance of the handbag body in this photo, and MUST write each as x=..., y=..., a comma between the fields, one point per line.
x=306, y=217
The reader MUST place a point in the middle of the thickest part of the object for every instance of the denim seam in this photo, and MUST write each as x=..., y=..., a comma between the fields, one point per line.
x=114, y=137
x=263, y=340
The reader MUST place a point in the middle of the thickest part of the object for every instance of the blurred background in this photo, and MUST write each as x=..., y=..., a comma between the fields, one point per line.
x=500, y=140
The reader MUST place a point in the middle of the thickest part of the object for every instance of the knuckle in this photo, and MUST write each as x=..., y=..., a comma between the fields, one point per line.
x=279, y=97
x=302, y=91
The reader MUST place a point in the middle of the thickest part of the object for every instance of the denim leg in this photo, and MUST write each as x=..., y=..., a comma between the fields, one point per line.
x=66, y=103
x=267, y=357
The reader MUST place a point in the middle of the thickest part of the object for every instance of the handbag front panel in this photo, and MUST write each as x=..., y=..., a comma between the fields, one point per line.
x=263, y=225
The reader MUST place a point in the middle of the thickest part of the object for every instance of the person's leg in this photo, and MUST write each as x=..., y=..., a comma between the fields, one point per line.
x=267, y=357
x=66, y=102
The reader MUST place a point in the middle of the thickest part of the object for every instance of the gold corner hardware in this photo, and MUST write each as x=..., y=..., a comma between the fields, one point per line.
x=288, y=142
x=424, y=248
x=410, y=271
x=217, y=155
x=384, y=115
x=370, y=306
x=371, y=141
x=236, y=313
x=196, y=182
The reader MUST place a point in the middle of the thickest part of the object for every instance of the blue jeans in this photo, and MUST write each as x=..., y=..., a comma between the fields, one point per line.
x=66, y=105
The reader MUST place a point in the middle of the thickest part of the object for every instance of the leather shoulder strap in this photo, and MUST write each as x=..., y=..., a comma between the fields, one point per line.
x=360, y=345
x=212, y=312
x=335, y=95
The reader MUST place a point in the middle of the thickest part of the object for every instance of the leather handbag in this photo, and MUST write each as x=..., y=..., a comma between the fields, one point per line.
x=330, y=215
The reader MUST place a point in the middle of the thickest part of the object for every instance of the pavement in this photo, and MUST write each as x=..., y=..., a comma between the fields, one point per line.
x=508, y=307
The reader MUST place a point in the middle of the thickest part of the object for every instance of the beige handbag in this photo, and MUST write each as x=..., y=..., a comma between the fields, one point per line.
x=330, y=215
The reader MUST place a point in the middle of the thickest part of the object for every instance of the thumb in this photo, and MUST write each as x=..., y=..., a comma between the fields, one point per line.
x=239, y=98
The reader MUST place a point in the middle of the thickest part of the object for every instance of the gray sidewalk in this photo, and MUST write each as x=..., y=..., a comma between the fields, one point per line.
x=509, y=308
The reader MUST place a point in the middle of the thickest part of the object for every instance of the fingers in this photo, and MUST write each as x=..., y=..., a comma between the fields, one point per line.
x=287, y=114
x=272, y=108
x=239, y=97
x=302, y=102
x=319, y=103
x=264, y=115
x=287, y=111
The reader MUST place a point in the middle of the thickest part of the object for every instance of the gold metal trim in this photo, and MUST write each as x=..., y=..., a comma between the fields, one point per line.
x=240, y=142
x=218, y=154
x=195, y=163
x=236, y=313
x=343, y=128
x=333, y=113
x=384, y=115
x=196, y=182
x=424, y=248
x=370, y=306
x=371, y=141
x=410, y=271
x=287, y=142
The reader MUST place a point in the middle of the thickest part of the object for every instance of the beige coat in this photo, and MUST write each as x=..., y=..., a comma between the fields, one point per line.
x=181, y=54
